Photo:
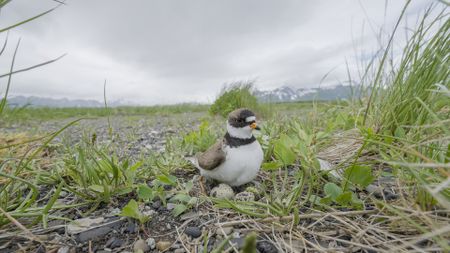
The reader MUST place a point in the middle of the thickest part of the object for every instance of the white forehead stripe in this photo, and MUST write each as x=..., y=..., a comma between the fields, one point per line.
x=250, y=119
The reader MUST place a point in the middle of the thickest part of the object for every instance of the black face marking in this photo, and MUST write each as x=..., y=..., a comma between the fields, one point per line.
x=236, y=142
x=237, y=118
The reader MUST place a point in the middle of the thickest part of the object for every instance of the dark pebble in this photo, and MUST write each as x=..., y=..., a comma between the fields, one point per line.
x=266, y=247
x=238, y=242
x=41, y=249
x=194, y=232
x=131, y=228
x=117, y=243
x=109, y=242
x=156, y=205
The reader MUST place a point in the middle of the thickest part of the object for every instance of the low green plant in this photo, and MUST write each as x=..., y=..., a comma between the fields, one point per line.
x=199, y=140
x=234, y=96
x=131, y=210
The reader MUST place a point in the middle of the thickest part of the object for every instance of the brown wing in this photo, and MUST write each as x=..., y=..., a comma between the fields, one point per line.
x=212, y=157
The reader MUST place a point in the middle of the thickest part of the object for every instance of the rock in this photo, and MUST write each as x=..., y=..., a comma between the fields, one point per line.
x=226, y=230
x=222, y=191
x=64, y=249
x=81, y=225
x=171, y=206
x=163, y=245
x=245, y=196
x=116, y=243
x=141, y=245
x=237, y=242
x=131, y=228
x=193, y=232
x=181, y=250
x=151, y=243
x=156, y=204
x=266, y=247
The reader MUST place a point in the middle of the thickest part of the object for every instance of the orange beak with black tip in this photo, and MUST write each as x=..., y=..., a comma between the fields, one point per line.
x=254, y=126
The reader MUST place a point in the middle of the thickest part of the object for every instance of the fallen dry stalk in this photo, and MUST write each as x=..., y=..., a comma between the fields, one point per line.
x=291, y=217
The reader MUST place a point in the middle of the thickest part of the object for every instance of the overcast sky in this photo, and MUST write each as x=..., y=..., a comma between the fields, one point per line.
x=167, y=51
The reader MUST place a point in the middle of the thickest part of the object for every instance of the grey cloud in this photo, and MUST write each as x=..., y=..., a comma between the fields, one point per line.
x=173, y=51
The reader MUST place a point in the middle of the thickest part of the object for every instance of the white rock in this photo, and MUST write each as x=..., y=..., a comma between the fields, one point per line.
x=151, y=243
x=222, y=191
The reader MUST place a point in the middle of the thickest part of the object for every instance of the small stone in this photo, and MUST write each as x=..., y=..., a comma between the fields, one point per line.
x=266, y=247
x=141, y=245
x=64, y=249
x=116, y=243
x=181, y=250
x=226, y=230
x=171, y=206
x=156, y=204
x=151, y=243
x=131, y=228
x=222, y=191
x=237, y=242
x=245, y=196
x=194, y=232
x=109, y=242
x=163, y=245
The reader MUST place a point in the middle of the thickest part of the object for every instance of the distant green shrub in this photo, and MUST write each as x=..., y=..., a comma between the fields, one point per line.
x=234, y=96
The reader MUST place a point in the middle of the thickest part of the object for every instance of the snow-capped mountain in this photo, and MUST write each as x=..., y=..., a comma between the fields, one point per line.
x=290, y=94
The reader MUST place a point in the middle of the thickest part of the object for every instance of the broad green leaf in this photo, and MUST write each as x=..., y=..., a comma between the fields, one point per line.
x=359, y=175
x=344, y=198
x=131, y=210
x=283, y=150
x=179, y=209
x=400, y=132
x=332, y=190
x=167, y=179
x=145, y=193
x=184, y=198
x=325, y=201
x=271, y=165
x=356, y=202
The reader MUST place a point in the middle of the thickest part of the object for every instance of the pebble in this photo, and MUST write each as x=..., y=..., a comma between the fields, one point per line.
x=194, y=232
x=226, y=230
x=222, y=191
x=266, y=247
x=151, y=243
x=245, y=196
x=141, y=245
x=179, y=251
x=171, y=206
x=237, y=242
x=64, y=249
x=163, y=245
x=156, y=204
x=131, y=228
x=117, y=243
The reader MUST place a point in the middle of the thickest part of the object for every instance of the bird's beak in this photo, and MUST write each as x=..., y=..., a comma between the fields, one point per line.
x=254, y=126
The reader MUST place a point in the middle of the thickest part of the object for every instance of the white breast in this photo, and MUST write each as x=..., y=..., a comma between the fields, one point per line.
x=241, y=165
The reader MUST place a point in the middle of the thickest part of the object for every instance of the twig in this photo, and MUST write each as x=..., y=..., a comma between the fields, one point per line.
x=291, y=217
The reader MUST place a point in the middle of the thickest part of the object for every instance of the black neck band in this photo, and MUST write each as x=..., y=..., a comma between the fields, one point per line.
x=236, y=142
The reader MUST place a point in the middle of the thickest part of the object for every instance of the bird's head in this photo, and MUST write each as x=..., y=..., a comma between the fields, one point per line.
x=241, y=123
